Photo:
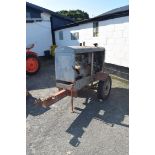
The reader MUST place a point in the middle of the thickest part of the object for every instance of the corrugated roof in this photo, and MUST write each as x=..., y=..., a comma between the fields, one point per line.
x=115, y=13
x=117, y=10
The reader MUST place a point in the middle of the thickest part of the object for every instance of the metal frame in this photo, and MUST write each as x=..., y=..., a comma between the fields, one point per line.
x=72, y=88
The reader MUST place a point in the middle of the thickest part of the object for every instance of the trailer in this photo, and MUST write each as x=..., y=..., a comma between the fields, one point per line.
x=77, y=67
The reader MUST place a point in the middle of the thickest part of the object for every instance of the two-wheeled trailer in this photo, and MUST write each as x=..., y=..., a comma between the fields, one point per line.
x=77, y=67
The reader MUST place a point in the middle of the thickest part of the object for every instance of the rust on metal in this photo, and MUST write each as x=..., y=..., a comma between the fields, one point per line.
x=72, y=108
x=56, y=97
x=53, y=99
x=101, y=76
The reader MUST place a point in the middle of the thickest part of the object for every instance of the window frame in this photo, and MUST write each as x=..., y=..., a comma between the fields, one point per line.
x=95, y=29
x=74, y=35
x=28, y=15
x=61, y=37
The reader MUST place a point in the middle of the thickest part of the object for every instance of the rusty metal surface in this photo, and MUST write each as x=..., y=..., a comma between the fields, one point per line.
x=71, y=90
x=79, y=84
x=56, y=97
x=101, y=76
x=53, y=99
x=64, y=86
x=72, y=107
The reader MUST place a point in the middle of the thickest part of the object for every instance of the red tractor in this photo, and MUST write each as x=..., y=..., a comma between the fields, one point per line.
x=32, y=61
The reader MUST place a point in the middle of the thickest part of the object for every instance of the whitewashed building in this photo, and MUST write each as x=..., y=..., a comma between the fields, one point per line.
x=40, y=23
x=109, y=30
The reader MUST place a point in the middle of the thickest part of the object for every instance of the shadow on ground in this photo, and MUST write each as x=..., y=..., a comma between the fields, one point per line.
x=112, y=112
x=32, y=108
x=45, y=78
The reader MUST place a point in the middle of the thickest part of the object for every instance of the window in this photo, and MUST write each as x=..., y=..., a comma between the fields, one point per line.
x=28, y=15
x=95, y=29
x=60, y=35
x=75, y=36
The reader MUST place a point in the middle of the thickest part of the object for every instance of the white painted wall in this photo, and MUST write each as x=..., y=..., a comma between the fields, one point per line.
x=113, y=35
x=39, y=33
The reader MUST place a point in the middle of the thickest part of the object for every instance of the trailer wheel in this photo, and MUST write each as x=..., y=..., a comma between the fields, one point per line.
x=32, y=64
x=104, y=88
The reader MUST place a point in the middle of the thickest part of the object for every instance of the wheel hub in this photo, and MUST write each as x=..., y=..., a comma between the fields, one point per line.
x=106, y=87
x=31, y=65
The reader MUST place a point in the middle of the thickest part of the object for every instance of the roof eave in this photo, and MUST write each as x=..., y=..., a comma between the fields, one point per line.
x=100, y=18
x=48, y=11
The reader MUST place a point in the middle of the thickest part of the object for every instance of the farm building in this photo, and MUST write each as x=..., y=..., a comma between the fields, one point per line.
x=109, y=30
x=40, y=23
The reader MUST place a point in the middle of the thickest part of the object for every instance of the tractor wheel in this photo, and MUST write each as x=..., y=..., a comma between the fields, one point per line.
x=104, y=88
x=32, y=64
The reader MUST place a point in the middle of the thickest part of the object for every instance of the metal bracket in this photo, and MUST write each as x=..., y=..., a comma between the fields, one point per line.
x=101, y=76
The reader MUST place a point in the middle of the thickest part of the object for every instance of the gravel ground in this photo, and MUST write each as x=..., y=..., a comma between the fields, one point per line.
x=96, y=128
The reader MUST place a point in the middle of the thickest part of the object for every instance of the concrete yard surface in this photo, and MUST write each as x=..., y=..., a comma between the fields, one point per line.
x=95, y=128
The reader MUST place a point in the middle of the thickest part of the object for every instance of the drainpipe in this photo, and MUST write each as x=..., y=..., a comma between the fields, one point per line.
x=52, y=31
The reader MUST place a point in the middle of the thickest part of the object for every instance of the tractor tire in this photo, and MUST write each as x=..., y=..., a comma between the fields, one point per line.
x=32, y=64
x=104, y=88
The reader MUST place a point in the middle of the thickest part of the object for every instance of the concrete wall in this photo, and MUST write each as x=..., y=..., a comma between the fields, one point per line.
x=113, y=35
x=39, y=33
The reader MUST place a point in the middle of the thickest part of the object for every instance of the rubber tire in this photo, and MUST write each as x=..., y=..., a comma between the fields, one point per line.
x=100, y=89
x=33, y=56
